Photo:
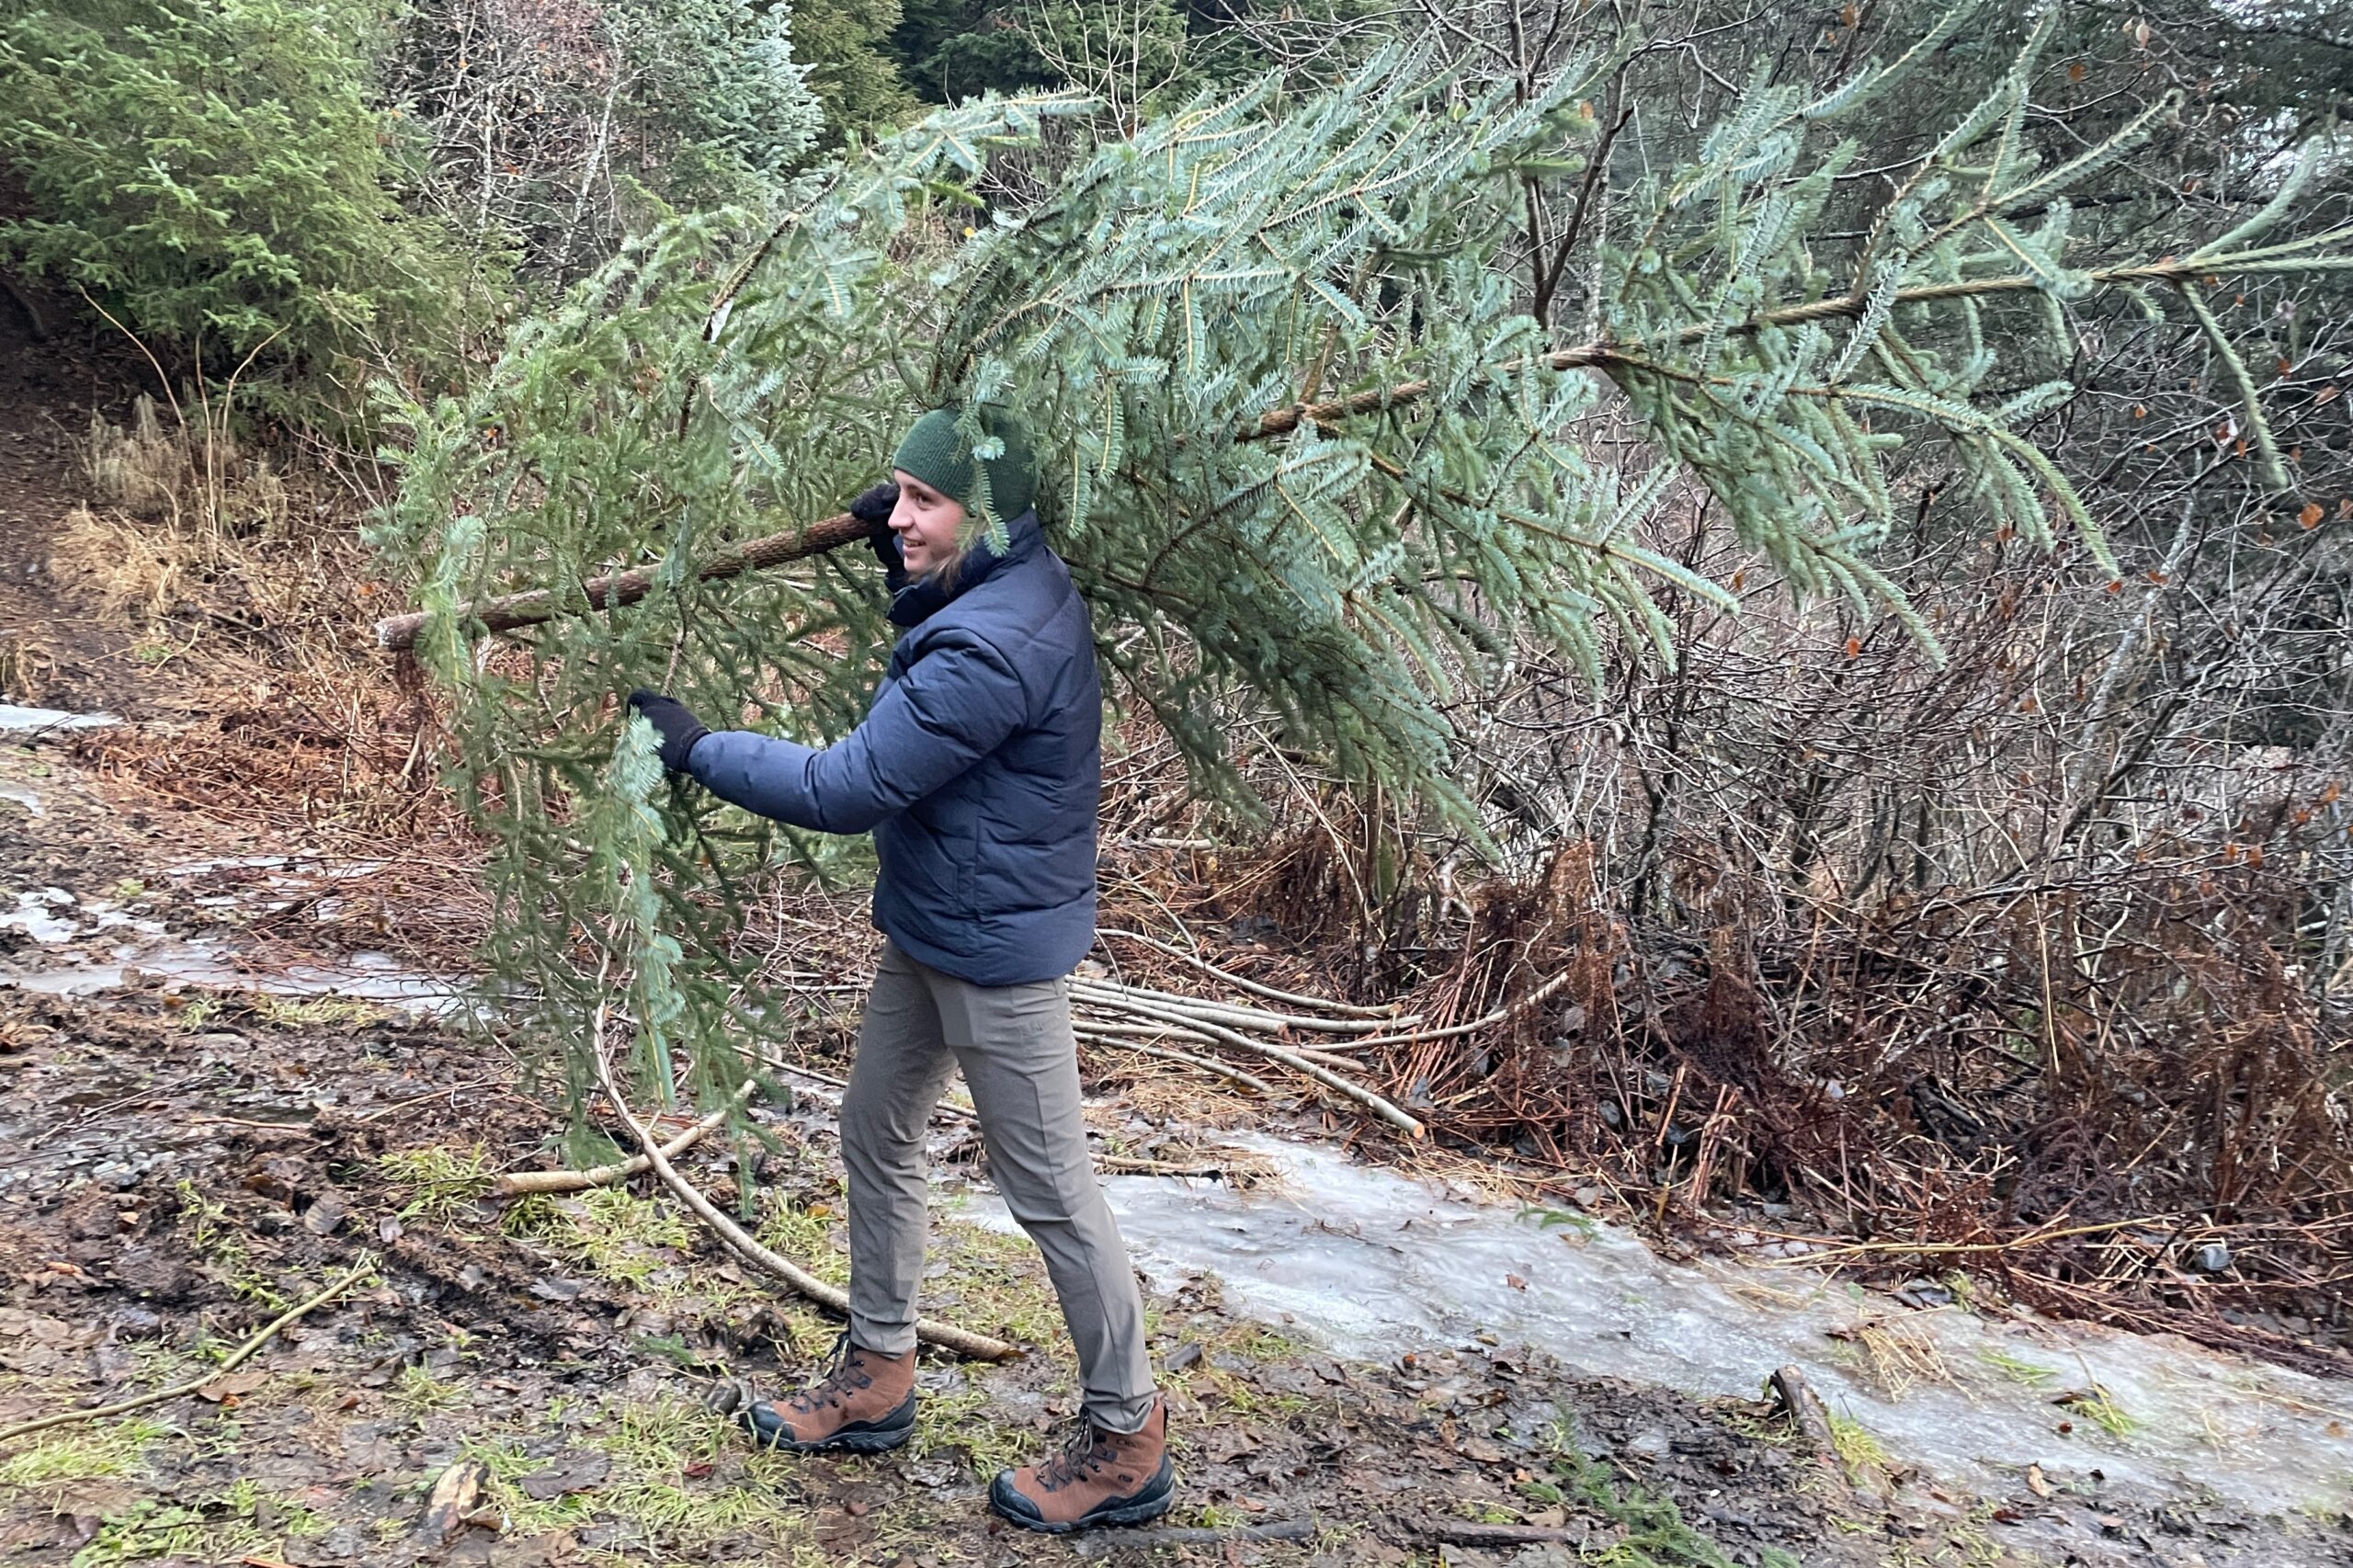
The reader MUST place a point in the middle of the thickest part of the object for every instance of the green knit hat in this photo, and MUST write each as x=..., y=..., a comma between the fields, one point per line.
x=936, y=454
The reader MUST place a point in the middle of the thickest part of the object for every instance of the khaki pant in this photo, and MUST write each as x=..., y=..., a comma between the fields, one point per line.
x=1020, y=1061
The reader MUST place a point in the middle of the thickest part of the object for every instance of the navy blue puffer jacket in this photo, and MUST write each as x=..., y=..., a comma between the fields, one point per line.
x=977, y=769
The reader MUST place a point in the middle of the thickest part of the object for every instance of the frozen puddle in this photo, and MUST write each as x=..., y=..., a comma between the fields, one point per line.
x=367, y=977
x=37, y=914
x=33, y=721
x=1375, y=1264
x=94, y=945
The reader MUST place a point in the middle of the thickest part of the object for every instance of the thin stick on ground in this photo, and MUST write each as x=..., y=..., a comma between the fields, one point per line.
x=1255, y=988
x=1812, y=1418
x=833, y=1299
x=1380, y=1106
x=1830, y=1250
x=1206, y=1063
x=1507, y=1010
x=1136, y=1165
x=1117, y=1034
x=365, y=1268
x=1242, y=1016
x=515, y=1183
x=841, y=1085
x=1467, y=1532
x=1138, y=1540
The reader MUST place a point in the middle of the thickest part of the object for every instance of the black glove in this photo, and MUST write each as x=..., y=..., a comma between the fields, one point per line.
x=678, y=728
x=873, y=508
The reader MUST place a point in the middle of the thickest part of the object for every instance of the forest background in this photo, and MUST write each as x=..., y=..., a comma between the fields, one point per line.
x=1960, y=945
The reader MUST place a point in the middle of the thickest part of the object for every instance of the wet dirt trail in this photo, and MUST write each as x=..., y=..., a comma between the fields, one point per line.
x=206, y=1122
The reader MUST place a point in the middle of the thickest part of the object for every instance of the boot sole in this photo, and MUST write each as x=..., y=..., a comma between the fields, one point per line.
x=840, y=1443
x=868, y=1440
x=1144, y=1510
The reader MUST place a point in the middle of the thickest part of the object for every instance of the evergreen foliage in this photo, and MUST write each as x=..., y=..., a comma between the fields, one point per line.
x=216, y=173
x=551, y=131
x=844, y=47
x=720, y=99
x=1129, y=53
x=953, y=50
x=1307, y=441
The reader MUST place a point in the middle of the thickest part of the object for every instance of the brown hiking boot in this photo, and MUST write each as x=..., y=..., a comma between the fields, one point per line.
x=1102, y=1478
x=865, y=1403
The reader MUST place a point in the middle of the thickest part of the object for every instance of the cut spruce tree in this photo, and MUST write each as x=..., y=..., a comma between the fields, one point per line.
x=1305, y=445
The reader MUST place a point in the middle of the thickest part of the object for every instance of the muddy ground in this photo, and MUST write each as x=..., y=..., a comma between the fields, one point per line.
x=183, y=1160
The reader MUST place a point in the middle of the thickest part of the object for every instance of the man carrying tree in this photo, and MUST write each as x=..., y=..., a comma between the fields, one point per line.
x=977, y=769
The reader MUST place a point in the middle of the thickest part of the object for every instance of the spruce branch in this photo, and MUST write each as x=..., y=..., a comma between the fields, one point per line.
x=532, y=606
x=2255, y=425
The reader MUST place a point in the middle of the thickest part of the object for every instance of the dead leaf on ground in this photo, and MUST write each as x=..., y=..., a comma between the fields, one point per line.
x=453, y=1498
x=1225, y=1446
x=2034, y=1482
x=234, y=1385
x=535, y=1551
x=573, y=1470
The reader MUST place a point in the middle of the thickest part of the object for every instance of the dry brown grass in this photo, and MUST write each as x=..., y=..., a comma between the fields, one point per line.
x=129, y=572
x=27, y=666
x=248, y=597
x=137, y=467
x=1896, y=1354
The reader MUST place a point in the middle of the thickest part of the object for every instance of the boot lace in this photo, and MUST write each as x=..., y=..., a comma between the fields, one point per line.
x=1088, y=1449
x=842, y=1379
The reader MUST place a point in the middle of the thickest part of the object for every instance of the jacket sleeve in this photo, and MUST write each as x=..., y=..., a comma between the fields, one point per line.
x=954, y=706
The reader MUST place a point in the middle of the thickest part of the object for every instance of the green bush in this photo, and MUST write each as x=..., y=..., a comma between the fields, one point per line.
x=217, y=174
x=719, y=99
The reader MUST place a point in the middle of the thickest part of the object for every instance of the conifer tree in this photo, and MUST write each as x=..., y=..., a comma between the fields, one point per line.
x=1306, y=444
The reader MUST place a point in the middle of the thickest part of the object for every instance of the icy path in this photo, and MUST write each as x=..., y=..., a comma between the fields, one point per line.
x=1375, y=1264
